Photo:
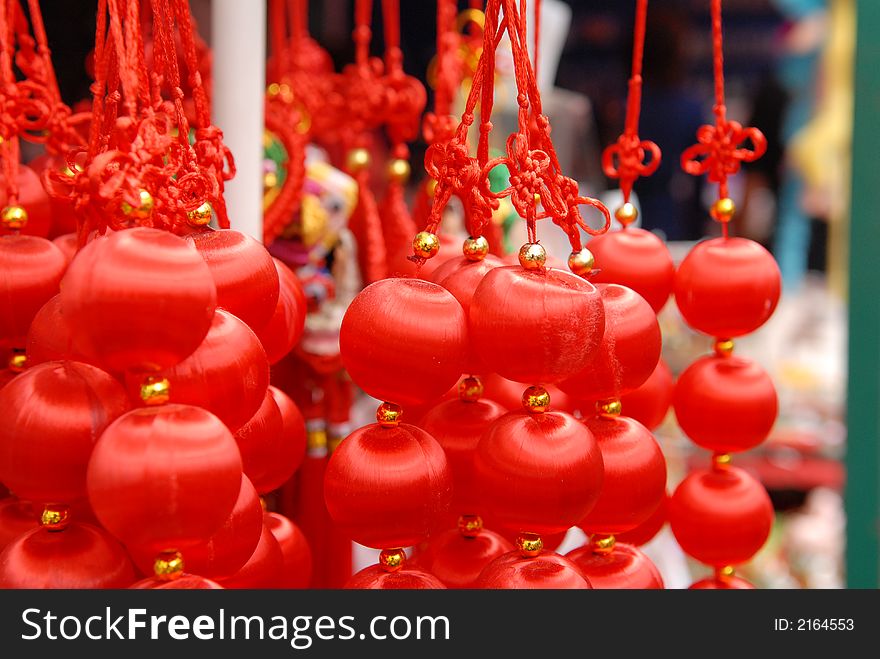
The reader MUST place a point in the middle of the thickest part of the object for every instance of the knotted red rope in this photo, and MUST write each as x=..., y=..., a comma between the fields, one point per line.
x=718, y=152
x=628, y=158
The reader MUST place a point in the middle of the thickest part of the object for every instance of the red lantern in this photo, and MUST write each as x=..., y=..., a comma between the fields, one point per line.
x=624, y=567
x=387, y=487
x=539, y=473
x=259, y=441
x=30, y=272
x=180, y=582
x=164, y=477
x=404, y=340
x=16, y=518
x=457, y=558
x=727, y=287
x=246, y=277
x=227, y=374
x=637, y=259
x=377, y=577
x=721, y=516
x=535, y=327
x=62, y=215
x=79, y=556
x=139, y=299
x=725, y=404
x=545, y=571
x=264, y=569
x=292, y=450
x=629, y=351
x=52, y=415
x=649, y=403
x=457, y=425
x=645, y=532
x=49, y=336
x=33, y=198
x=295, y=550
x=283, y=330
x=727, y=583
x=68, y=244
x=635, y=475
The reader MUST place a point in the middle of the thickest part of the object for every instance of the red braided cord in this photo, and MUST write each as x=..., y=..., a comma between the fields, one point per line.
x=363, y=12
x=9, y=150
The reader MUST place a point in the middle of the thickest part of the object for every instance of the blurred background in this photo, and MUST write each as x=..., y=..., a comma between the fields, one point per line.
x=789, y=72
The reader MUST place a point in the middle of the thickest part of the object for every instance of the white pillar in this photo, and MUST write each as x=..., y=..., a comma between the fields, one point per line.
x=238, y=36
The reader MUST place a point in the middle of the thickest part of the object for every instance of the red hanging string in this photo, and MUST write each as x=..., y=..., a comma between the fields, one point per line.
x=11, y=118
x=718, y=153
x=628, y=158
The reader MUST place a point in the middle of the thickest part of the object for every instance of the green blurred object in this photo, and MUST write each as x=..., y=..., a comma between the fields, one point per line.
x=863, y=413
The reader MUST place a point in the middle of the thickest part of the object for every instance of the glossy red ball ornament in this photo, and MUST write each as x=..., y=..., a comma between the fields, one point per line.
x=649, y=403
x=545, y=571
x=387, y=487
x=727, y=583
x=79, y=556
x=292, y=451
x=284, y=329
x=457, y=425
x=139, y=299
x=535, y=327
x=17, y=517
x=265, y=457
x=264, y=569
x=539, y=473
x=30, y=272
x=52, y=416
x=720, y=517
x=244, y=272
x=49, y=338
x=227, y=374
x=637, y=259
x=182, y=582
x=376, y=577
x=229, y=548
x=725, y=404
x=625, y=567
x=635, y=475
x=628, y=353
x=295, y=550
x=68, y=243
x=33, y=198
x=404, y=340
x=647, y=530
x=457, y=560
x=727, y=287
x=164, y=477
x=62, y=213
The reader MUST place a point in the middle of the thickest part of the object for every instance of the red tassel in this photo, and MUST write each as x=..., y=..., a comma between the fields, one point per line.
x=397, y=223
x=366, y=226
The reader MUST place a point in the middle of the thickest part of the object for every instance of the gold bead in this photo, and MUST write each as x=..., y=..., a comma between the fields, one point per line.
x=626, y=214
x=470, y=389
x=536, y=400
x=270, y=180
x=168, y=565
x=532, y=256
x=724, y=573
x=723, y=347
x=201, y=216
x=426, y=245
x=475, y=249
x=144, y=207
x=55, y=517
x=470, y=525
x=357, y=160
x=723, y=209
x=602, y=544
x=537, y=199
x=721, y=461
x=529, y=544
x=581, y=263
x=431, y=186
x=316, y=439
x=399, y=170
x=14, y=217
x=17, y=362
x=155, y=391
x=610, y=407
x=392, y=560
x=388, y=415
